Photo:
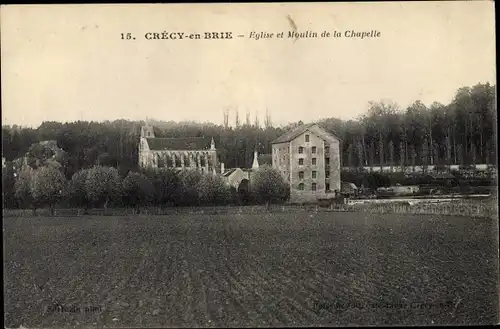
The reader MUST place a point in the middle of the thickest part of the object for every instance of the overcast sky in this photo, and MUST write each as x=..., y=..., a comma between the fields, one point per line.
x=67, y=62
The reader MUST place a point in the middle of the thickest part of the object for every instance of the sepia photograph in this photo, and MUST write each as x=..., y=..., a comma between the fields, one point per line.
x=249, y=165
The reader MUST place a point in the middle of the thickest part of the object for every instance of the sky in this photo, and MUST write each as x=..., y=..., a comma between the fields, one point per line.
x=68, y=62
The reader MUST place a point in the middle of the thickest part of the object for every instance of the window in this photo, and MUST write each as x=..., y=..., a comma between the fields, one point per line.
x=314, y=161
x=313, y=174
x=327, y=149
x=301, y=186
x=327, y=174
x=307, y=138
x=301, y=150
x=301, y=175
x=301, y=162
x=161, y=163
x=313, y=187
x=314, y=149
x=327, y=161
x=327, y=186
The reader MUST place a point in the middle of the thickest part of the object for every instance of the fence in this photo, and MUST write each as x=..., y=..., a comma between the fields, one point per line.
x=470, y=208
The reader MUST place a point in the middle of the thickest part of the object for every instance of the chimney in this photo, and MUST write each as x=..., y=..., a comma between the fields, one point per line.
x=255, y=164
x=222, y=167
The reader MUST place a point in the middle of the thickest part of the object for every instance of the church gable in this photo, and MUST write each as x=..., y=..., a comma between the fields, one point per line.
x=179, y=144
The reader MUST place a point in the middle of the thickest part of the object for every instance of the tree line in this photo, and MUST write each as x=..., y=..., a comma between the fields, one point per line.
x=102, y=186
x=462, y=132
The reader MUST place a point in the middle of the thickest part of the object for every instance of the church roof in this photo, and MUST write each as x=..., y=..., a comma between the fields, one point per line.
x=295, y=132
x=179, y=144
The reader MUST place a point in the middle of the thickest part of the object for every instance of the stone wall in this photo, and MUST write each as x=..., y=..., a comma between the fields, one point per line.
x=308, y=167
x=281, y=159
x=335, y=183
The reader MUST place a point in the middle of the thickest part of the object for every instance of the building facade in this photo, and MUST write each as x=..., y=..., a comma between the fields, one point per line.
x=193, y=153
x=308, y=157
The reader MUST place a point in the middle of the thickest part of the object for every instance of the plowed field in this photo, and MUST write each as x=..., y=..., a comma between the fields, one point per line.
x=249, y=270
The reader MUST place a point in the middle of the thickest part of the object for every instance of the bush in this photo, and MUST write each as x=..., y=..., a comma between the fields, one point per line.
x=188, y=188
x=23, y=187
x=76, y=189
x=48, y=187
x=137, y=190
x=103, y=185
x=213, y=191
x=267, y=185
x=166, y=185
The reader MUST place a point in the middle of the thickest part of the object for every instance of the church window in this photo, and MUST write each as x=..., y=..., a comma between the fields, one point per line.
x=170, y=162
x=161, y=162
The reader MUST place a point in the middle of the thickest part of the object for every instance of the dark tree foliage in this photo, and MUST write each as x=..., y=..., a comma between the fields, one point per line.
x=166, y=184
x=462, y=132
x=459, y=132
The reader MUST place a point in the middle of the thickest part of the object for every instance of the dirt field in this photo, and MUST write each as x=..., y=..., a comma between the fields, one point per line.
x=249, y=270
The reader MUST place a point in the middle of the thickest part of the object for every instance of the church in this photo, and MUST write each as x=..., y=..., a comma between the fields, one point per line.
x=193, y=153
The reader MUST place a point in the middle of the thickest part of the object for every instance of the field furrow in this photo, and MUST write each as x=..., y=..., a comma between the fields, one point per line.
x=274, y=269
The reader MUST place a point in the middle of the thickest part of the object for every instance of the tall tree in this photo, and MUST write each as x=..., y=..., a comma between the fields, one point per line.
x=48, y=187
x=391, y=154
x=103, y=185
x=137, y=190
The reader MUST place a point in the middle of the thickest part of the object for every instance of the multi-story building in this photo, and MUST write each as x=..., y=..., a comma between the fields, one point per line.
x=308, y=157
x=197, y=153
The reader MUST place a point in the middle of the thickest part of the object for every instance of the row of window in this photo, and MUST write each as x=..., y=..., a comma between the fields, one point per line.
x=301, y=161
x=313, y=161
x=301, y=148
x=313, y=174
x=177, y=163
x=313, y=149
x=302, y=187
x=314, y=186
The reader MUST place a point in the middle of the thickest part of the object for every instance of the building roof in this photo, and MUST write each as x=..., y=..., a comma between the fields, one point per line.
x=179, y=144
x=229, y=172
x=295, y=132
